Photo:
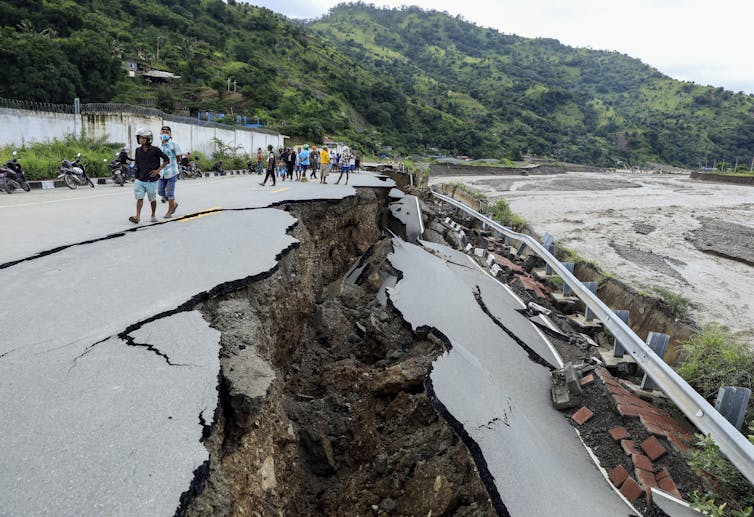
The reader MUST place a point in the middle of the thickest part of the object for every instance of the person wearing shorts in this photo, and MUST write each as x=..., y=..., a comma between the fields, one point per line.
x=150, y=161
x=169, y=175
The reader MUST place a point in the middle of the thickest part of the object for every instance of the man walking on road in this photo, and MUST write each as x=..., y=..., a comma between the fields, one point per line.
x=148, y=168
x=169, y=175
x=270, y=166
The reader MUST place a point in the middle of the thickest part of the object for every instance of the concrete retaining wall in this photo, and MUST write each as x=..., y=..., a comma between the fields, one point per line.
x=20, y=127
x=721, y=178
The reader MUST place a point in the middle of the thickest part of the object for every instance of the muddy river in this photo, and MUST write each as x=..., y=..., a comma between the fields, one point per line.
x=690, y=237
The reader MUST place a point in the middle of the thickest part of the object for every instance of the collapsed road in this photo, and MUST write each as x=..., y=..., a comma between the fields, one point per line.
x=275, y=351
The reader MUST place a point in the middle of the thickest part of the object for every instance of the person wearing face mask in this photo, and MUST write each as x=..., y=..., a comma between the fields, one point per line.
x=169, y=175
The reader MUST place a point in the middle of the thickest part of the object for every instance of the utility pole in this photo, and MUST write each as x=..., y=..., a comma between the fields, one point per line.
x=228, y=84
x=751, y=169
x=158, y=47
x=234, y=86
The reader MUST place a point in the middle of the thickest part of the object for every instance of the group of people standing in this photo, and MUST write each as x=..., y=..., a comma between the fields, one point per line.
x=305, y=160
x=157, y=168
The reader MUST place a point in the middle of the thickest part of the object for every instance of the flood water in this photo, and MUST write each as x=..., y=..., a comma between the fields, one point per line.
x=640, y=228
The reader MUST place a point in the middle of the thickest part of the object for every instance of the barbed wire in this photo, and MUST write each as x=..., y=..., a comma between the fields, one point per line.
x=36, y=106
x=110, y=107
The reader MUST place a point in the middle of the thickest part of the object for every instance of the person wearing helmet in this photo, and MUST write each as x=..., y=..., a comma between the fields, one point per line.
x=169, y=175
x=123, y=157
x=150, y=161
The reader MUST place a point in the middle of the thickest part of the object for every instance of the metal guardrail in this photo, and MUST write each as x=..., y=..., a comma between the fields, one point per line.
x=738, y=449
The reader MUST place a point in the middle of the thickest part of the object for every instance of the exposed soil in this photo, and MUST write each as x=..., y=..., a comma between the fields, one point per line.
x=324, y=408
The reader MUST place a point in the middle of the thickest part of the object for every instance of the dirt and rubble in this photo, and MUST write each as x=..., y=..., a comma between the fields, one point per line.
x=324, y=410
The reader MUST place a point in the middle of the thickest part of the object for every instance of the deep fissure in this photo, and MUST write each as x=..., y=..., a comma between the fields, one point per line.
x=328, y=413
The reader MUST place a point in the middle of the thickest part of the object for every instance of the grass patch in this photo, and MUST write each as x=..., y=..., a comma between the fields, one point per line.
x=708, y=361
x=501, y=212
x=678, y=305
x=712, y=359
x=730, y=486
x=41, y=160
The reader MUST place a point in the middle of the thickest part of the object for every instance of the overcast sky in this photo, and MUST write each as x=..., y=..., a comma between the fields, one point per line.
x=708, y=42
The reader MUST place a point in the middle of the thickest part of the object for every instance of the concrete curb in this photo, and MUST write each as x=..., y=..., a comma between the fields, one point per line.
x=56, y=183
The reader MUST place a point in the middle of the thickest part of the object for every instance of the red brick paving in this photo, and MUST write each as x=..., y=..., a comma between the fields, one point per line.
x=653, y=448
x=628, y=447
x=587, y=380
x=657, y=421
x=646, y=479
x=631, y=489
x=618, y=475
x=642, y=462
x=666, y=483
x=507, y=264
x=582, y=415
x=532, y=285
x=618, y=433
x=628, y=410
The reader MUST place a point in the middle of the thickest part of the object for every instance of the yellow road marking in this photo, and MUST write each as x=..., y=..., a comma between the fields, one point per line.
x=204, y=213
x=280, y=190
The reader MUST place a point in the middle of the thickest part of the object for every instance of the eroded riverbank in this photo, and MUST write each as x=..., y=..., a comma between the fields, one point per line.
x=639, y=228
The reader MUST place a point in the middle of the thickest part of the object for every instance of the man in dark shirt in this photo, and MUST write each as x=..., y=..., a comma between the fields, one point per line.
x=148, y=167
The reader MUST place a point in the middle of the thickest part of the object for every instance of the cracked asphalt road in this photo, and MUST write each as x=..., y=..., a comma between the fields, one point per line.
x=496, y=388
x=91, y=425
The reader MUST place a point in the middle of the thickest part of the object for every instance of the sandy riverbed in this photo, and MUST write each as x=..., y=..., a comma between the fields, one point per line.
x=640, y=228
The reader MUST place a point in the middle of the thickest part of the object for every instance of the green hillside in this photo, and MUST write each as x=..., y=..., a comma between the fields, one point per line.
x=491, y=92
x=56, y=50
x=419, y=81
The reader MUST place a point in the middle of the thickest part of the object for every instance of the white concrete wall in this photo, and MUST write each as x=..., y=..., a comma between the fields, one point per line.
x=18, y=127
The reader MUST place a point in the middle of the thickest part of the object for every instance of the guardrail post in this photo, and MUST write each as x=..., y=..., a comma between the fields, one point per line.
x=618, y=349
x=592, y=286
x=521, y=249
x=570, y=266
x=658, y=342
x=732, y=402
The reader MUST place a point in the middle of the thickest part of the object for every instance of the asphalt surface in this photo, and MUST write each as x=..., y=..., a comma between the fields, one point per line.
x=498, y=394
x=107, y=378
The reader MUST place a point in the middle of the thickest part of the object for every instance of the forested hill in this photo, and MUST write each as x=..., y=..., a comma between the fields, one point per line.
x=503, y=91
x=409, y=78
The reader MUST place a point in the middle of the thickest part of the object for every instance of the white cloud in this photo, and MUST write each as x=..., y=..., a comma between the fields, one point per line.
x=696, y=40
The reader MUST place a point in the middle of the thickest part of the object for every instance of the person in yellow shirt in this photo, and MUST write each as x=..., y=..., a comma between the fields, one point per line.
x=324, y=160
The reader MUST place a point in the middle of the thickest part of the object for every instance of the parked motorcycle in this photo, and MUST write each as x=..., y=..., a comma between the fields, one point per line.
x=7, y=184
x=74, y=173
x=117, y=172
x=14, y=174
x=187, y=172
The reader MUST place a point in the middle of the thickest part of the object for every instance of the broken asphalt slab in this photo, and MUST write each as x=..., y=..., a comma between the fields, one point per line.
x=497, y=395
